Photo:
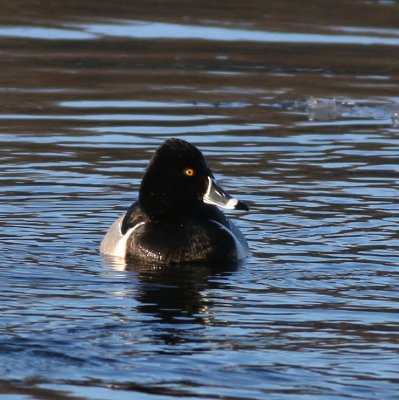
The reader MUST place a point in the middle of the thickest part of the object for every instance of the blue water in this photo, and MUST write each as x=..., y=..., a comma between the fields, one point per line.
x=295, y=113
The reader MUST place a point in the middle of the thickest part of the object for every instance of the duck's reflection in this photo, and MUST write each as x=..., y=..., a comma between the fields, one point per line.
x=177, y=294
x=177, y=300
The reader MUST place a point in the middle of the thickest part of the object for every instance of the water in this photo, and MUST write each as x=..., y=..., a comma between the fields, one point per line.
x=295, y=107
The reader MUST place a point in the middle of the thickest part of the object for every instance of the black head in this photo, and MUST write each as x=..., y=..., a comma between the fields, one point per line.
x=178, y=180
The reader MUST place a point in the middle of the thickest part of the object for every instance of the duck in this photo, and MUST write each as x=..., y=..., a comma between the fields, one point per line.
x=176, y=218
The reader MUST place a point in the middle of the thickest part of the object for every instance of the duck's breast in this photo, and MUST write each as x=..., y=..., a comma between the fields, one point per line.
x=185, y=242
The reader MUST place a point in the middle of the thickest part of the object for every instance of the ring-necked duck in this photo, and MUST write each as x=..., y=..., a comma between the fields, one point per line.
x=175, y=219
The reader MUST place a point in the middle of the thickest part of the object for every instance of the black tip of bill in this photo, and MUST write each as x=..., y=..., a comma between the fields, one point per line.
x=242, y=206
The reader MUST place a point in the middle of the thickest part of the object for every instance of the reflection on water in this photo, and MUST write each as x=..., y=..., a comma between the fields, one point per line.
x=319, y=109
x=157, y=30
x=295, y=108
x=178, y=295
x=174, y=295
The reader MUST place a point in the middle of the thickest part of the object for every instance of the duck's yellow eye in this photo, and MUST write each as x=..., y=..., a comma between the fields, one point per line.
x=189, y=172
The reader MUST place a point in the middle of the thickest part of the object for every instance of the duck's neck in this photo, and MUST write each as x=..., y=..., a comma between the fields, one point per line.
x=159, y=201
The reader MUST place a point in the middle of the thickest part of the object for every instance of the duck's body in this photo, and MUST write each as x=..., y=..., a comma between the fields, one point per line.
x=175, y=219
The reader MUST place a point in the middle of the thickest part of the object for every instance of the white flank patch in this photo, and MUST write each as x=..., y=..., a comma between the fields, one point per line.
x=114, y=243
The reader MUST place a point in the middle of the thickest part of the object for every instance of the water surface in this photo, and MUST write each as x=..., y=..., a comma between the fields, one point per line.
x=296, y=109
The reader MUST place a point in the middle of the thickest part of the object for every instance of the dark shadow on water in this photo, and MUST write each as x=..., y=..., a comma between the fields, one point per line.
x=174, y=301
x=176, y=294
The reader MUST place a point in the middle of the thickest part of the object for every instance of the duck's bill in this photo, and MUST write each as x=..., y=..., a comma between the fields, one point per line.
x=217, y=196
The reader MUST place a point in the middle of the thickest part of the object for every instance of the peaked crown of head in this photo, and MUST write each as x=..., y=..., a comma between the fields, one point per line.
x=166, y=187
